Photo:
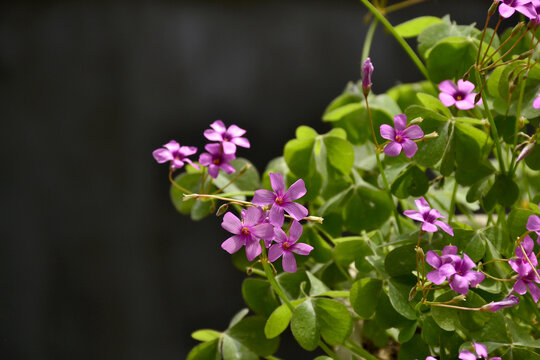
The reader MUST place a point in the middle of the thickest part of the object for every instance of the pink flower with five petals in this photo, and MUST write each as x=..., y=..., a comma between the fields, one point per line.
x=400, y=137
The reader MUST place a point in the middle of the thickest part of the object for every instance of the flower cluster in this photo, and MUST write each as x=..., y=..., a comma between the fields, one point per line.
x=528, y=8
x=450, y=266
x=258, y=224
x=218, y=155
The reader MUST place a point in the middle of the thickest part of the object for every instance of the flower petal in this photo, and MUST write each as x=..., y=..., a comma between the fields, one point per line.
x=276, y=216
x=481, y=350
x=214, y=149
x=252, y=216
x=533, y=224
x=387, y=132
x=413, y=214
x=474, y=277
x=400, y=122
x=231, y=223
x=433, y=259
x=275, y=252
x=520, y=287
x=464, y=104
x=422, y=205
x=446, y=99
x=535, y=292
x=253, y=249
x=445, y=227
x=506, y=11
x=467, y=355
x=436, y=277
x=205, y=159
x=289, y=262
x=233, y=244
x=280, y=236
x=465, y=86
x=213, y=170
x=295, y=231
x=177, y=164
x=301, y=248
x=278, y=184
x=263, y=197
x=448, y=87
x=392, y=149
x=235, y=131
x=429, y=227
x=162, y=155
x=447, y=270
x=187, y=150
x=172, y=146
x=296, y=191
x=297, y=211
x=218, y=126
x=213, y=135
x=449, y=250
x=263, y=231
x=413, y=132
x=241, y=141
x=228, y=168
x=459, y=284
x=409, y=148
x=228, y=147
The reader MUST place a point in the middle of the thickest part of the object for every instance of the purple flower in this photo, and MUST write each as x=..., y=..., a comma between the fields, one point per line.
x=367, y=70
x=507, y=8
x=449, y=256
x=428, y=217
x=481, y=352
x=286, y=246
x=216, y=159
x=461, y=95
x=400, y=137
x=526, y=275
x=228, y=137
x=176, y=154
x=493, y=306
x=452, y=267
x=536, y=102
x=282, y=200
x=533, y=224
x=247, y=232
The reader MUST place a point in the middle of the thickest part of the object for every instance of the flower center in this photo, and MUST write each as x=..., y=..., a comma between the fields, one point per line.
x=279, y=200
x=459, y=97
x=399, y=138
x=286, y=246
x=217, y=161
x=245, y=231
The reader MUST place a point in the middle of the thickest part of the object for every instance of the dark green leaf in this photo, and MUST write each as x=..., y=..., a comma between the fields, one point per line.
x=250, y=333
x=401, y=261
x=399, y=294
x=205, y=351
x=334, y=320
x=367, y=209
x=364, y=296
x=259, y=296
x=304, y=325
x=412, y=182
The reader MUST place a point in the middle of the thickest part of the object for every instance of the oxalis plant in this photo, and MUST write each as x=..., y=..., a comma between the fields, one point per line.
x=410, y=230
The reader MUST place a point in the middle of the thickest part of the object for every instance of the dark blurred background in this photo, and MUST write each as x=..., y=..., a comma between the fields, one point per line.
x=95, y=263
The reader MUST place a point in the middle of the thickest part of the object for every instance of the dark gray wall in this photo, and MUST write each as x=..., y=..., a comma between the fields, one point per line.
x=94, y=261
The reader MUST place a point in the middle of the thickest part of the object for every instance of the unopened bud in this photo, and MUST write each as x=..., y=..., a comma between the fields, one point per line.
x=420, y=252
x=493, y=8
x=517, y=28
x=412, y=293
x=222, y=209
x=367, y=70
x=526, y=150
x=417, y=120
x=431, y=135
x=459, y=298
x=525, y=55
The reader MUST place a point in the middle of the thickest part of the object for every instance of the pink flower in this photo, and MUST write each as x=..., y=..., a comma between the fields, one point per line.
x=176, y=154
x=509, y=7
x=533, y=224
x=449, y=255
x=428, y=217
x=367, y=70
x=401, y=136
x=526, y=276
x=247, y=232
x=282, y=200
x=216, y=159
x=287, y=245
x=536, y=102
x=461, y=95
x=480, y=350
x=493, y=306
x=228, y=137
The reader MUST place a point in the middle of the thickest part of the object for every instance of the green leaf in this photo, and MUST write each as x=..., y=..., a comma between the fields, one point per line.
x=401, y=261
x=340, y=154
x=365, y=295
x=517, y=222
x=334, y=320
x=317, y=287
x=449, y=153
x=431, y=102
x=205, y=351
x=298, y=154
x=367, y=209
x=533, y=159
x=250, y=333
x=432, y=34
x=407, y=331
x=352, y=249
x=471, y=145
x=413, y=27
x=238, y=317
x=259, y=296
x=385, y=314
x=430, y=152
x=205, y=335
x=248, y=181
x=304, y=325
x=411, y=182
x=399, y=294
x=341, y=112
x=470, y=176
x=446, y=318
x=234, y=350
x=441, y=59
x=191, y=182
x=504, y=190
x=322, y=251
x=520, y=354
x=278, y=321
x=305, y=132
x=202, y=208
x=414, y=349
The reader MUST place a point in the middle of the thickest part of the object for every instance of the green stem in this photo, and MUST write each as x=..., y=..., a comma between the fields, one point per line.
x=452, y=209
x=175, y=184
x=368, y=40
x=328, y=351
x=240, y=193
x=360, y=351
x=494, y=132
x=398, y=37
x=272, y=279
